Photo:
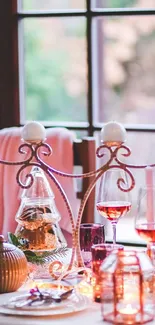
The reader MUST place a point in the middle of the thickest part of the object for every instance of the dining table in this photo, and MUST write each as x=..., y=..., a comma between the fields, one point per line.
x=90, y=314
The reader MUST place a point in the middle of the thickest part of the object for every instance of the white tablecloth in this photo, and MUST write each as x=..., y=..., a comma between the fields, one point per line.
x=89, y=316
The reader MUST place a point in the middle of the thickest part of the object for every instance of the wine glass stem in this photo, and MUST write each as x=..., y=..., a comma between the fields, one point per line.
x=114, y=232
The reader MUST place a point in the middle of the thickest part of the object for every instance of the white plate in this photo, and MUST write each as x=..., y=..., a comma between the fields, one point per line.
x=74, y=303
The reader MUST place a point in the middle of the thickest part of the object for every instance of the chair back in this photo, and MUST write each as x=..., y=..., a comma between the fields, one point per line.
x=85, y=156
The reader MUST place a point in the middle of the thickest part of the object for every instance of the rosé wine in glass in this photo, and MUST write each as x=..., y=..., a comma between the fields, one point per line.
x=145, y=216
x=146, y=231
x=113, y=210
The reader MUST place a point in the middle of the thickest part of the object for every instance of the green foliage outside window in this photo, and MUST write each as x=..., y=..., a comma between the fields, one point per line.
x=47, y=96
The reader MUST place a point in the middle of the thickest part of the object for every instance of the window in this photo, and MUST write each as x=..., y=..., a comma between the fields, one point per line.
x=81, y=64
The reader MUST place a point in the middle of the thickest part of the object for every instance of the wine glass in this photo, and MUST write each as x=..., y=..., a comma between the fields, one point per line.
x=145, y=216
x=112, y=202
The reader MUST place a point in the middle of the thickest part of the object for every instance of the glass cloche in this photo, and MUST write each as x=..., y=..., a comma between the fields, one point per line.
x=38, y=217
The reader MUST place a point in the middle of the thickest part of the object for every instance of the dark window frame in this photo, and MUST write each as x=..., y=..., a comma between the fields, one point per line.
x=9, y=84
x=10, y=104
x=9, y=63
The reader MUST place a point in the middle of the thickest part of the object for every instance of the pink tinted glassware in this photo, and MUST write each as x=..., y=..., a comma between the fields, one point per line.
x=99, y=253
x=113, y=198
x=90, y=233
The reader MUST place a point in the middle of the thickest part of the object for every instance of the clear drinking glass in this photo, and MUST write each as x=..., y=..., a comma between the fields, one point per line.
x=145, y=216
x=113, y=197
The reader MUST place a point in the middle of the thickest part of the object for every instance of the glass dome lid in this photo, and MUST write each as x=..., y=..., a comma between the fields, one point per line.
x=40, y=187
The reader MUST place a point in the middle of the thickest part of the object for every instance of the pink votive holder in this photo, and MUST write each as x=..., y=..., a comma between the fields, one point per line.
x=99, y=253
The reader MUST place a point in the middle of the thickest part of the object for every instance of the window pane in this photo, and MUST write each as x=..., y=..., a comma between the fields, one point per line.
x=80, y=134
x=145, y=155
x=52, y=4
x=123, y=3
x=126, y=69
x=55, y=69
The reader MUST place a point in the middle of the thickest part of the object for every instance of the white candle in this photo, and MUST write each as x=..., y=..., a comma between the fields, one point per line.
x=149, y=194
x=33, y=132
x=113, y=133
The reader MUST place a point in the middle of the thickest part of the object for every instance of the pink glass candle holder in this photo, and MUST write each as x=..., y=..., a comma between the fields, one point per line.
x=90, y=233
x=99, y=253
x=129, y=278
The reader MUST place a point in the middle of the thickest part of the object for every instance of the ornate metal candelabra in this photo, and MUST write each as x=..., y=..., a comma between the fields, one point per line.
x=113, y=137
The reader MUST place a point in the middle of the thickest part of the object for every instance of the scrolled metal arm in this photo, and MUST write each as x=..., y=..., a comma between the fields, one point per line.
x=112, y=162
